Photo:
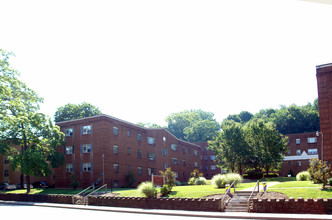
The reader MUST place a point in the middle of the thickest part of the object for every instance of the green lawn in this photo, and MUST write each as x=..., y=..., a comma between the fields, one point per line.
x=291, y=188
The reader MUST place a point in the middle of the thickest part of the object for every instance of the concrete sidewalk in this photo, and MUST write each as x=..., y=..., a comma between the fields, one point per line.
x=240, y=215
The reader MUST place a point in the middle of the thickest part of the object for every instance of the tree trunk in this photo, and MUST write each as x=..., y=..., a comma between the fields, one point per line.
x=28, y=183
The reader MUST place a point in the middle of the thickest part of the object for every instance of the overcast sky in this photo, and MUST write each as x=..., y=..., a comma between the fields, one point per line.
x=140, y=60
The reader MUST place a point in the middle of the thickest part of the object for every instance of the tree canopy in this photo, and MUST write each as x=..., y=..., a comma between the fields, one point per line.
x=73, y=111
x=193, y=125
x=29, y=139
x=256, y=145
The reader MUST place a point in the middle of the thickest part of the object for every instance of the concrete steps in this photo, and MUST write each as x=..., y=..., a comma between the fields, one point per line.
x=239, y=202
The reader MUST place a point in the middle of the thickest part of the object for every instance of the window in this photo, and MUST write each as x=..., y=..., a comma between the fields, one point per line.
x=184, y=163
x=139, y=154
x=165, y=165
x=195, y=152
x=116, y=184
x=289, y=152
x=151, y=140
x=69, y=149
x=176, y=175
x=312, y=140
x=128, y=151
x=87, y=167
x=87, y=148
x=128, y=133
x=6, y=161
x=115, y=149
x=69, y=167
x=174, y=147
x=298, y=152
x=87, y=129
x=149, y=171
x=115, y=167
x=183, y=150
x=196, y=164
x=139, y=137
x=6, y=173
x=298, y=141
x=213, y=167
x=115, y=130
x=139, y=170
x=212, y=157
x=299, y=163
x=174, y=161
x=312, y=151
x=164, y=152
x=151, y=156
x=69, y=132
x=205, y=158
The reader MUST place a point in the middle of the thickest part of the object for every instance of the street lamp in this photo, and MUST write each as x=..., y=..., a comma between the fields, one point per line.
x=103, y=170
x=317, y=134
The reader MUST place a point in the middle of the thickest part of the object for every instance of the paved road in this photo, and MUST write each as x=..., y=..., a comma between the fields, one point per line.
x=14, y=212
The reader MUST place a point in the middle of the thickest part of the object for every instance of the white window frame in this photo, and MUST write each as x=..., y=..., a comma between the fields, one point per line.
x=175, y=161
x=151, y=140
x=151, y=156
x=69, y=167
x=213, y=167
x=69, y=132
x=196, y=164
x=86, y=148
x=174, y=147
x=69, y=150
x=195, y=152
x=312, y=151
x=298, y=152
x=298, y=141
x=87, y=129
x=87, y=167
x=212, y=157
x=115, y=149
x=115, y=131
x=312, y=140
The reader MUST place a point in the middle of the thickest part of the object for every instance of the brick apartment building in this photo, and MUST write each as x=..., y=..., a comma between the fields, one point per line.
x=104, y=144
x=208, y=167
x=302, y=148
x=324, y=85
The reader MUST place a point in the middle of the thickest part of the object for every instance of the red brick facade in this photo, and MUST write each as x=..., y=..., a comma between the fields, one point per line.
x=126, y=147
x=302, y=148
x=324, y=84
x=209, y=167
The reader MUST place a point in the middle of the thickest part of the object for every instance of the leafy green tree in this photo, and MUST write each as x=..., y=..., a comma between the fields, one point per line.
x=169, y=176
x=72, y=111
x=230, y=147
x=29, y=139
x=319, y=171
x=266, y=144
x=193, y=125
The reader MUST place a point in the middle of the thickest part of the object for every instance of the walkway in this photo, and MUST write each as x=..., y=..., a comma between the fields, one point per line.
x=269, y=184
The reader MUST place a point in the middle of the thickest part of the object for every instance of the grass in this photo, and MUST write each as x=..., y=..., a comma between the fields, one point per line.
x=287, y=186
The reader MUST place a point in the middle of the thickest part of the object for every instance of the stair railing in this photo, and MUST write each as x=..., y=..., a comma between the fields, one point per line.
x=227, y=192
x=84, y=199
x=252, y=193
x=80, y=194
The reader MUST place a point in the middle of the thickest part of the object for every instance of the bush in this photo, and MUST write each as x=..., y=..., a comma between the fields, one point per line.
x=233, y=177
x=219, y=180
x=200, y=181
x=148, y=189
x=329, y=181
x=74, y=183
x=191, y=181
x=177, y=183
x=253, y=175
x=302, y=176
x=165, y=189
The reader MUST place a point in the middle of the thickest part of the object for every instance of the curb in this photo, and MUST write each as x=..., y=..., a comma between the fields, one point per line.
x=240, y=215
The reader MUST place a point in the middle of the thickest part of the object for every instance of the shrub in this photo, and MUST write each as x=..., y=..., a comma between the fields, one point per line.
x=169, y=176
x=319, y=171
x=233, y=177
x=302, y=176
x=200, y=181
x=148, y=189
x=74, y=183
x=177, y=183
x=329, y=181
x=191, y=181
x=219, y=180
x=165, y=189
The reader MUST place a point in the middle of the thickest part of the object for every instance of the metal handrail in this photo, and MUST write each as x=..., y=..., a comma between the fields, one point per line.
x=78, y=194
x=257, y=185
x=226, y=192
x=94, y=192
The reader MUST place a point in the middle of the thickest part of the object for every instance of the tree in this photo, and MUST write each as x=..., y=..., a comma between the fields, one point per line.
x=28, y=138
x=230, y=147
x=266, y=145
x=319, y=171
x=72, y=111
x=169, y=176
x=193, y=125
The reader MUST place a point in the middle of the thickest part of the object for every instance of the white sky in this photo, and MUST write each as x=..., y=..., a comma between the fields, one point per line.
x=140, y=60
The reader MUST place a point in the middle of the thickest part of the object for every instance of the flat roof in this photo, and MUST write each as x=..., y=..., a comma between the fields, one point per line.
x=323, y=65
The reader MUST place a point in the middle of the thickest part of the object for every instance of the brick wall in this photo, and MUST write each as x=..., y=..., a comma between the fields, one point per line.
x=189, y=204
x=300, y=206
x=63, y=199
